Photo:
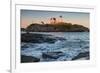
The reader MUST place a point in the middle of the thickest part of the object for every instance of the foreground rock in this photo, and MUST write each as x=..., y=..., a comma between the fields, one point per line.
x=52, y=55
x=81, y=55
x=28, y=59
x=39, y=38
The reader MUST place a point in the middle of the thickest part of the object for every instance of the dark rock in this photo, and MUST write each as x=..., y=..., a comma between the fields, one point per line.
x=23, y=29
x=52, y=55
x=82, y=55
x=28, y=37
x=60, y=27
x=24, y=46
x=38, y=38
x=28, y=59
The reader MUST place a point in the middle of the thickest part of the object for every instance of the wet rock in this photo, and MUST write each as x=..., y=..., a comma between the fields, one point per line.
x=28, y=59
x=24, y=46
x=82, y=55
x=39, y=38
x=52, y=55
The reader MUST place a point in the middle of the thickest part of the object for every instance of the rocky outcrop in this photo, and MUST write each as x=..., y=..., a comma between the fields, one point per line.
x=81, y=55
x=61, y=27
x=28, y=59
x=23, y=29
x=39, y=38
x=52, y=55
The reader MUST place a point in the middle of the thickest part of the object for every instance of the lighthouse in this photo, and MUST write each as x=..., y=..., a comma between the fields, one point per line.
x=53, y=20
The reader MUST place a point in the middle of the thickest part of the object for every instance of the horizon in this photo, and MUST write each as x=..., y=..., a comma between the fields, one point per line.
x=37, y=16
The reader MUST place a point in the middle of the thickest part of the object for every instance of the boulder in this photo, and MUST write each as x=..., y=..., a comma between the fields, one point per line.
x=39, y=38
x=81, y=55
x=52, y=55
x=28, y=59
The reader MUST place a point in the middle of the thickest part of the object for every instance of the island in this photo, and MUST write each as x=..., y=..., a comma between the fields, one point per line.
x=59, y=27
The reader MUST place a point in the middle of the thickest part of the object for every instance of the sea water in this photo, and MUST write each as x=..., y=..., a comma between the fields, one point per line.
x=74, y=43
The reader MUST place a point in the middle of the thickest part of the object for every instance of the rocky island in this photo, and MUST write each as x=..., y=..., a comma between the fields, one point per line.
x=59, y=27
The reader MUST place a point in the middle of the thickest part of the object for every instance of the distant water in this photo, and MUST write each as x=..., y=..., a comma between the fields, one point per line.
x=75, y=43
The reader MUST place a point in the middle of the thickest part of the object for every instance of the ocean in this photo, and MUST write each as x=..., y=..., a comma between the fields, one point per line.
x=72, y=45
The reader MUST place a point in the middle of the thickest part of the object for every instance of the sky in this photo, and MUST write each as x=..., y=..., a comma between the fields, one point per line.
x=35, y=16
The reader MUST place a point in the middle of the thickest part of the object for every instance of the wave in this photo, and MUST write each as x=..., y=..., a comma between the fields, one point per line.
x=70, y=48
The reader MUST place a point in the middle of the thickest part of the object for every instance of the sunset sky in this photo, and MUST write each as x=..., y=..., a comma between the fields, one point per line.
x=36, y=16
